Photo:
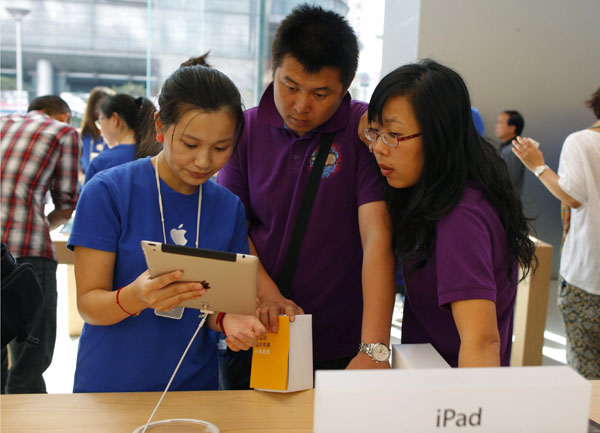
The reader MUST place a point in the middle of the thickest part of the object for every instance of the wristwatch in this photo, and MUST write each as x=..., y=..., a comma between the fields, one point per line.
x=539, y=170
x=379, y=352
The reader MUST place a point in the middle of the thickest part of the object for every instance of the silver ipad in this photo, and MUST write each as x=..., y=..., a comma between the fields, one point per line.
x=231, y=277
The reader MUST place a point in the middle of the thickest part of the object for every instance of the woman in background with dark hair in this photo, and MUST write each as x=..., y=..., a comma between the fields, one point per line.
x=458, y=226
x=124, y=123
x=130, y=342
x=93, y=143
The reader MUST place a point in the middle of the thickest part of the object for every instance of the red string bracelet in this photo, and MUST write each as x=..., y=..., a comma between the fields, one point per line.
x=119, y=304
x=220, y=318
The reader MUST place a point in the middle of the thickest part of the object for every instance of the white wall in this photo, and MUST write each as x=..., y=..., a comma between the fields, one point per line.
x=536, y=56
x=400, y=34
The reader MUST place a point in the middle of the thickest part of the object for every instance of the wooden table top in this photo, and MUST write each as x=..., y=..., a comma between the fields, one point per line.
x=595, y=404
x=63, y=254
x=231, y=411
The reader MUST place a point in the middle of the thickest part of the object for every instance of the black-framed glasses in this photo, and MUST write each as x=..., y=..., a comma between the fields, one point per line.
x=388, y=139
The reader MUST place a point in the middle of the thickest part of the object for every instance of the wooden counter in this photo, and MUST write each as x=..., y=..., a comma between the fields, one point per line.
x=65, y=256
x=595, y=406
x=231, y=411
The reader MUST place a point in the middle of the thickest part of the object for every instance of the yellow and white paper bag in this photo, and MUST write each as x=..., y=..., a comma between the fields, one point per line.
x=283, y=362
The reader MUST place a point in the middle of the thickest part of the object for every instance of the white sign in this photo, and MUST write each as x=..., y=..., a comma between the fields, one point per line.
x=491, y=400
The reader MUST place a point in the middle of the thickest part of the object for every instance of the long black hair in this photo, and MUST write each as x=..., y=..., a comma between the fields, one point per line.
x=453, y=153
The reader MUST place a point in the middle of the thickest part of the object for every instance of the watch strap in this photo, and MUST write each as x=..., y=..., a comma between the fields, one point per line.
x=368, y=348
x=540, y=169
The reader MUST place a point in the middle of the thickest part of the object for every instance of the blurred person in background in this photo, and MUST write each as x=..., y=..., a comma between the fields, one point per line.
x=577, y=185
x=124, y=125
x=509, y=125
x=40, y=153
x=93, y=143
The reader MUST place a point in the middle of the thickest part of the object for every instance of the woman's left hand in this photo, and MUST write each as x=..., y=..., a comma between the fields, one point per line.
x=242, y=331
x=527, y=151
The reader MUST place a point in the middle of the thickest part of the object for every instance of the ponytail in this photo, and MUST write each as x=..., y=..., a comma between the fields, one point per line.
x=138, y=114
x=144, y=133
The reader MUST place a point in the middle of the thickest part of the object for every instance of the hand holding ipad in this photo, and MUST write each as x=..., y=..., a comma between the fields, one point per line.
x=230, y=278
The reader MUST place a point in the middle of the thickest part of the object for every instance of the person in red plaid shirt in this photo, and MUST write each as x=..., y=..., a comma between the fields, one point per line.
x=40, y=153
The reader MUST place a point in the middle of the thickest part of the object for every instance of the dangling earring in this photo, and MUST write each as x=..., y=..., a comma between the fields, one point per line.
x=160, y=138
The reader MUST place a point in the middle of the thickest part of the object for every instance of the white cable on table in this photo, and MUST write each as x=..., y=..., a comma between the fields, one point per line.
x=206, y=313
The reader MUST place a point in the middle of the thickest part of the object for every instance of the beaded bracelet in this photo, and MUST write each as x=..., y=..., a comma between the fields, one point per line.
x=220, y=318
x=119, y=304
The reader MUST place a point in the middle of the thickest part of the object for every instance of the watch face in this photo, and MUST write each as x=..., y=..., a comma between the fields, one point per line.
x=381, y=352
x=539, y=170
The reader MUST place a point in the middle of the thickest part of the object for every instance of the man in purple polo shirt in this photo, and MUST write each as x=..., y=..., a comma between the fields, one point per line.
x=345, y=270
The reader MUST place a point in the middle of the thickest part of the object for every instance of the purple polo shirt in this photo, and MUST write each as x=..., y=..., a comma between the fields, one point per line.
x=269, y=173
x=470, y=260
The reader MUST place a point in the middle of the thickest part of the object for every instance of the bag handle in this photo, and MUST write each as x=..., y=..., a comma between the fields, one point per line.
x=291, y=257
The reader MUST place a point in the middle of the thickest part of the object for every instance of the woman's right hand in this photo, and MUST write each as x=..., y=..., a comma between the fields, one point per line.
x=163, y=292
x=526, y=149
x=362, y=125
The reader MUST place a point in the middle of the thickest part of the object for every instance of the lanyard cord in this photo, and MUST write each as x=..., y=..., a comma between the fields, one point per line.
x=205, y=313
x=160, y=205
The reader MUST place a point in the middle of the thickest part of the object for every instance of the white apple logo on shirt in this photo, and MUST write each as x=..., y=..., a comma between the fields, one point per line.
x=178, y=235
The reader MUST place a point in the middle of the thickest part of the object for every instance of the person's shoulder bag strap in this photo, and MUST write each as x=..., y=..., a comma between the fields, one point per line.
x=291, y=257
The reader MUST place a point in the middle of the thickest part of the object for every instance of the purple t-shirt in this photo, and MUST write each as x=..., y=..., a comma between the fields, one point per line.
x=269, y=173
x=470, y=260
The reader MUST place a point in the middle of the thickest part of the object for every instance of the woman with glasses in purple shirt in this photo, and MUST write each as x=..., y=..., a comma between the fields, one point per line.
x=458, y=227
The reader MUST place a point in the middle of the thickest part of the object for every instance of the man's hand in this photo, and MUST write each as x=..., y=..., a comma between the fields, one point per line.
x=270, y=308
x=362, y=125
x=58, y=217
x=243, y=331
x=362, y=361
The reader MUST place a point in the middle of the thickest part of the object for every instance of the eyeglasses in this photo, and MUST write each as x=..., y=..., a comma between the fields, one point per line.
x=97, y=122
x=388, y=139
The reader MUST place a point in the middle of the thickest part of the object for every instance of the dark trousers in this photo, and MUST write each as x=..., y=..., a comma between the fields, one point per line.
x=28, y=362
x=235, y=370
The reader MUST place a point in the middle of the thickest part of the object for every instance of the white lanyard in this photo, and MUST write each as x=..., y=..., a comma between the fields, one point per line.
x=160, y=206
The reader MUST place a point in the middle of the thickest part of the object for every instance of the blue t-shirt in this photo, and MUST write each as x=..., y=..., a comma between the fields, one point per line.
x=117, y=210
x=109, y=158
x=89, y=146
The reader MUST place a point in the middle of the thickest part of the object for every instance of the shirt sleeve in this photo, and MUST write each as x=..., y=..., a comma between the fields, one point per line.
x=97, y=223
x=240, y=234
x=234, y=175
x=92, y=170
x=65, y=187
x=571, y=170
x=463, y=254
x=370, y=184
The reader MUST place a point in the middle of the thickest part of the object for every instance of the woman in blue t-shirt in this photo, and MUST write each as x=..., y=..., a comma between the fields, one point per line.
x=127, y=343
x=458, y=225
x=123, y=122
